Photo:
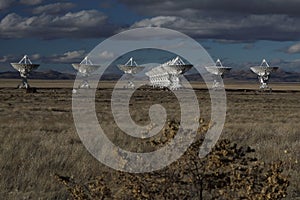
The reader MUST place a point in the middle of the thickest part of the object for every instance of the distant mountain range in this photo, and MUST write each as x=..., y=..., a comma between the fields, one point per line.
x=51, y=75
x=39, y=75
x=234, y=75
x=242, y=75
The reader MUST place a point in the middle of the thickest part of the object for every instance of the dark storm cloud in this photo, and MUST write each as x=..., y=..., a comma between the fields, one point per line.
x=5, y=4
x=82, y=24
x=31, y=2
x=227, y=19
x=161, y=7
x=251, y=27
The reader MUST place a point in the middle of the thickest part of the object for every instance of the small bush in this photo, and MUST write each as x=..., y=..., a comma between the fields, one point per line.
x=228, y=172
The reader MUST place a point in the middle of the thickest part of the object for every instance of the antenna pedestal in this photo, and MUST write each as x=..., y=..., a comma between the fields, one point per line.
x=25, y=66
x=130, y=68
x=263, y=80
x=129, y=78
x=263, y=74
x=85, y=85
x=216, y=85
x=217, y=70
x=24, y=83
x=85, y=69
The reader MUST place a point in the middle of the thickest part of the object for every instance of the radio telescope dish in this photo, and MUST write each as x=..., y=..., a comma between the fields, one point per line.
x=167, y=74
x=24, y=66
x=85, y=68
x=130, y=68
x=218, y=70
x=263, y=73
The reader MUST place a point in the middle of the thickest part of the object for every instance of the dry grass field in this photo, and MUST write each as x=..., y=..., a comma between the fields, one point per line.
x=38, y=137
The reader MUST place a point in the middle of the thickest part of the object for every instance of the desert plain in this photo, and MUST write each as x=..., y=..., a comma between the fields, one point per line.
x=38, y=138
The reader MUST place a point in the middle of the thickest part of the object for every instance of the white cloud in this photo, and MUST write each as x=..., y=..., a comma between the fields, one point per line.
x=294, y=49
x=106, y=55
x=157, y=21
x=35, y=56
x=6, y=58
x=287, y=65
x=250, y=27
x=68, y=57
x=85, y=23
x=16, y=58
x=55, y=8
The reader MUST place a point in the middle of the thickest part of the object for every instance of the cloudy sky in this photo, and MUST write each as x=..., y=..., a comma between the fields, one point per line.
x=241, y=33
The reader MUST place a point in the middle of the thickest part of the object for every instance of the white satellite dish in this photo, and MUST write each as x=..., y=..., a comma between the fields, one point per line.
x=263, y=73
x=85, y=68
x=24, y=66
x=218, y=70
x=130, y=68
x=167, y=74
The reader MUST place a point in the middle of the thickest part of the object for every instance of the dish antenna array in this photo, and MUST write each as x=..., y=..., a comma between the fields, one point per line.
x=24, y=66
x=130, y=68
x=167, y=74
x=217, y=70
x=85, y=68
x=263, y=73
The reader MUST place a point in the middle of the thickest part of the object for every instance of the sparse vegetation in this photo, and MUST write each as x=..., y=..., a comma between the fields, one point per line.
x=38, y=141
